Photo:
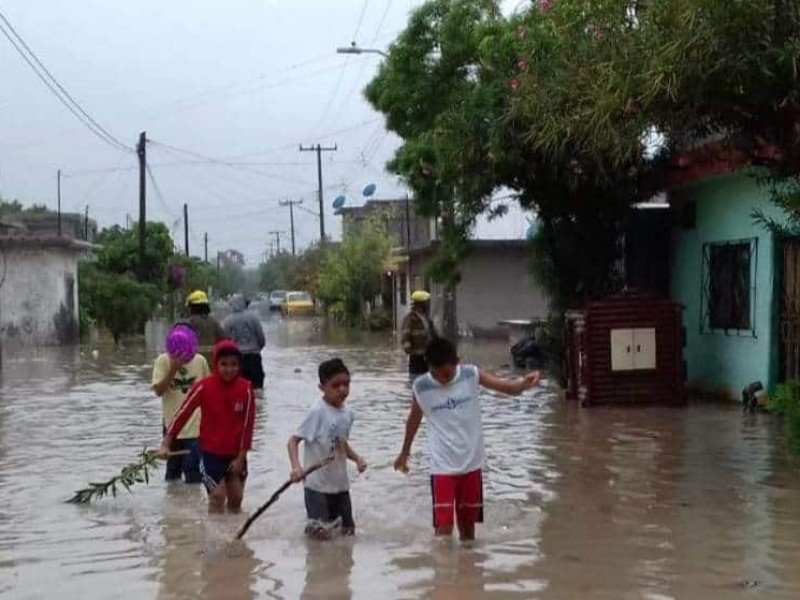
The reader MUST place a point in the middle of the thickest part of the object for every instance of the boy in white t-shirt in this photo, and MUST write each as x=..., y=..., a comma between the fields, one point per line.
x=448, y=398
x=326, y=433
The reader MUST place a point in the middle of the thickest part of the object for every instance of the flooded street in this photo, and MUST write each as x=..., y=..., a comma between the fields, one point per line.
x=698, y=502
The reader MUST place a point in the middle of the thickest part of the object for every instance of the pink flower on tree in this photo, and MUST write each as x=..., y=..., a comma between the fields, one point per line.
x=177, y=276
x=545, y=6
x=515, y=85
x=522, y=33
x=522, y=65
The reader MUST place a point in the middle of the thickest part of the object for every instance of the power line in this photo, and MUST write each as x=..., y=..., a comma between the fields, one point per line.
x=262, y=79
x=159, y=195
x=361, y=19
x=55, y=87
x=322, y=136
x=224, y=163
x=381, y=22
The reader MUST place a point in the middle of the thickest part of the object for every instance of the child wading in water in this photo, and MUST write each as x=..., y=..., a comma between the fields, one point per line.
x=172, y=380
x=226, y=428
x=447, y=396
x=326, y=431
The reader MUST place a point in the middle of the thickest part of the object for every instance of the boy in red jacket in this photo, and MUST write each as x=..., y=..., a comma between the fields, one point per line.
x=226, y=429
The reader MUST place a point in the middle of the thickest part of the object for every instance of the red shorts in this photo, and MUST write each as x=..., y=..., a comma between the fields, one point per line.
x=461, y=495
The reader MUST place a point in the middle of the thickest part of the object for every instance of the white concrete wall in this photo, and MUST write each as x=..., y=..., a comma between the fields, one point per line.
x=35, y=303
x=496, y=284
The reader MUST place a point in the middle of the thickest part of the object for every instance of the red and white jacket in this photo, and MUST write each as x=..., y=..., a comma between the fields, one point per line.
x=228, y=411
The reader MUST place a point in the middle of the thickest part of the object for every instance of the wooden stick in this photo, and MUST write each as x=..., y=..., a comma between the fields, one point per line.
x=176, y=453
x=277, y=495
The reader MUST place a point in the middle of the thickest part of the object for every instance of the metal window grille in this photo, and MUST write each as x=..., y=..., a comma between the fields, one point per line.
x=728, y=291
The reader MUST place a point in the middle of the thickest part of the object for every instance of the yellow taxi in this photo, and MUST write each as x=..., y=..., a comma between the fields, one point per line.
x=298, y=304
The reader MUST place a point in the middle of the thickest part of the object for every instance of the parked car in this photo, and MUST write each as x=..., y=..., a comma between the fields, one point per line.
x=277, y=299
x=298, y=304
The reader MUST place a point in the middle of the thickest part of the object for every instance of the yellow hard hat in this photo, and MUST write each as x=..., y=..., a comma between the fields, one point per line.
x=420, y=296
x=197, y=297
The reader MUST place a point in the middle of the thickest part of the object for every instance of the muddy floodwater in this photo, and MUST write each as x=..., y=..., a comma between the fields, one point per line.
x=644, y=503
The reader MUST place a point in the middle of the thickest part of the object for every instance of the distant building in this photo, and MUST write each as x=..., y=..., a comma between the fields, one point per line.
x=73, y=225
x=407, y=229
x=496, y=282
x=496, y=285
x=39, y=278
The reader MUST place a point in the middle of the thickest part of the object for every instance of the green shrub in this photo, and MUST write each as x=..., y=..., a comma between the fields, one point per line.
x=786, y=403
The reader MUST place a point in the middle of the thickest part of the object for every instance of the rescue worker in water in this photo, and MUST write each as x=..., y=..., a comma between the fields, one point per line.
x=417, y=332
x=207, y=328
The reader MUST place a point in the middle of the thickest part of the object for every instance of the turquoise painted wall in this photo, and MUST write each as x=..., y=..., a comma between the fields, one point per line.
x=716, y=361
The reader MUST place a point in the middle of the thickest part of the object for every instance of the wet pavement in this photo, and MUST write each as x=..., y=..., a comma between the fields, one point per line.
x=637, y=503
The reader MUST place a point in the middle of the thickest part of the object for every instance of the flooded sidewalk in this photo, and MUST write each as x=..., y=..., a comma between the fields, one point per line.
x=607, y=503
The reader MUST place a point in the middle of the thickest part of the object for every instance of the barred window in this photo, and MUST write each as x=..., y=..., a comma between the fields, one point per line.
x=728, y=290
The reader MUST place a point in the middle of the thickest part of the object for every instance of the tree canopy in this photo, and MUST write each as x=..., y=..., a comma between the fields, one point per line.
x=579, y=108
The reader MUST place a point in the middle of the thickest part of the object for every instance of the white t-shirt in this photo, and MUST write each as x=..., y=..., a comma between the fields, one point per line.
x=323, y=430
x=453, y=413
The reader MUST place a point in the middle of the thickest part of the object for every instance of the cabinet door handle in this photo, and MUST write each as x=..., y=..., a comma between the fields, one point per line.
x=639, y=348
x=628, y=349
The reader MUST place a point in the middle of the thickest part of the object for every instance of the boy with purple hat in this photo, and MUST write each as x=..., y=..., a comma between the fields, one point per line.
x=174, y=373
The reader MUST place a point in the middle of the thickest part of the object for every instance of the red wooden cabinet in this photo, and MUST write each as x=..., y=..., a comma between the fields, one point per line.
x=627, y=348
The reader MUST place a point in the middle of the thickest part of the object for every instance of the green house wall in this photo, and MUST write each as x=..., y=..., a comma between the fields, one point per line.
x=718, y=362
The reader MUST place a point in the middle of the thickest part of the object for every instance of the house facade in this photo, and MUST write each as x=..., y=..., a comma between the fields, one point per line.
x=39, y=277
x=496, y=283
x=39, y=289
x=739, y=284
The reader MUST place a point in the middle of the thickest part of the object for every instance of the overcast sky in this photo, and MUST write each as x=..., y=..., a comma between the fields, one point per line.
x=244, y=82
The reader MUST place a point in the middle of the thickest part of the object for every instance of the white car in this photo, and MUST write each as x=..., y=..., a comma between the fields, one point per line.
x=277, y=299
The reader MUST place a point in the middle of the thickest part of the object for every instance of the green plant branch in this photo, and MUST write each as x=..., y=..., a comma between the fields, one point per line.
x=131, y=474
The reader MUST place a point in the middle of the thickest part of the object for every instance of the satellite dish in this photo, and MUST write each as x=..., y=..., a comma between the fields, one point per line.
x=370, y=190
x=339, y=202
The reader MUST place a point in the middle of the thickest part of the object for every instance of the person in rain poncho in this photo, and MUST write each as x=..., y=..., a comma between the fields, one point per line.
x=244, y=328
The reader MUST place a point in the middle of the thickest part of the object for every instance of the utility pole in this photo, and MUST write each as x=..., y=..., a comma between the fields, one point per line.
x=291, y=204
x=186, y=227
x=319, y=150
x=219, y=261
x=86, y=224
x=205, y=244
x=58, y=178
x=141, y=151
x=277, y=235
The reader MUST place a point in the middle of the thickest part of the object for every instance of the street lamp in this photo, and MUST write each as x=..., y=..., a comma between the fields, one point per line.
x=353, y=49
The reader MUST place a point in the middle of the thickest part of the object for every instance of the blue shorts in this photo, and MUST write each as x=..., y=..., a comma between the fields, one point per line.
x=186, y=467
x=215, y=469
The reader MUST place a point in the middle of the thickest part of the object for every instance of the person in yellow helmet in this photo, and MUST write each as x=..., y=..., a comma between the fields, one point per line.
x=417, y=332
x=207, y=328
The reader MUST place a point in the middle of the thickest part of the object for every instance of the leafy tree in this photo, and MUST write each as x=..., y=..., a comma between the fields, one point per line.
x=448, y=89
x=119, y=252
x=351, y=273
x=232, y=276
x=278, y=272
x=558, y=101
x=13, y=207
x=115, y=301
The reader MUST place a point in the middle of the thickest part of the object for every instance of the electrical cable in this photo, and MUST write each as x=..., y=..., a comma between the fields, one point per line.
x=50, y=81
x=230, y=165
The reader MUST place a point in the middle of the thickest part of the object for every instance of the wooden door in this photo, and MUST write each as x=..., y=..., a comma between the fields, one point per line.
x=790, y=311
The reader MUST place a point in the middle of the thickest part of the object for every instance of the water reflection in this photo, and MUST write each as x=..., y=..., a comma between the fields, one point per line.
x=229, y=572
x=697, y=502
x=328, y=569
